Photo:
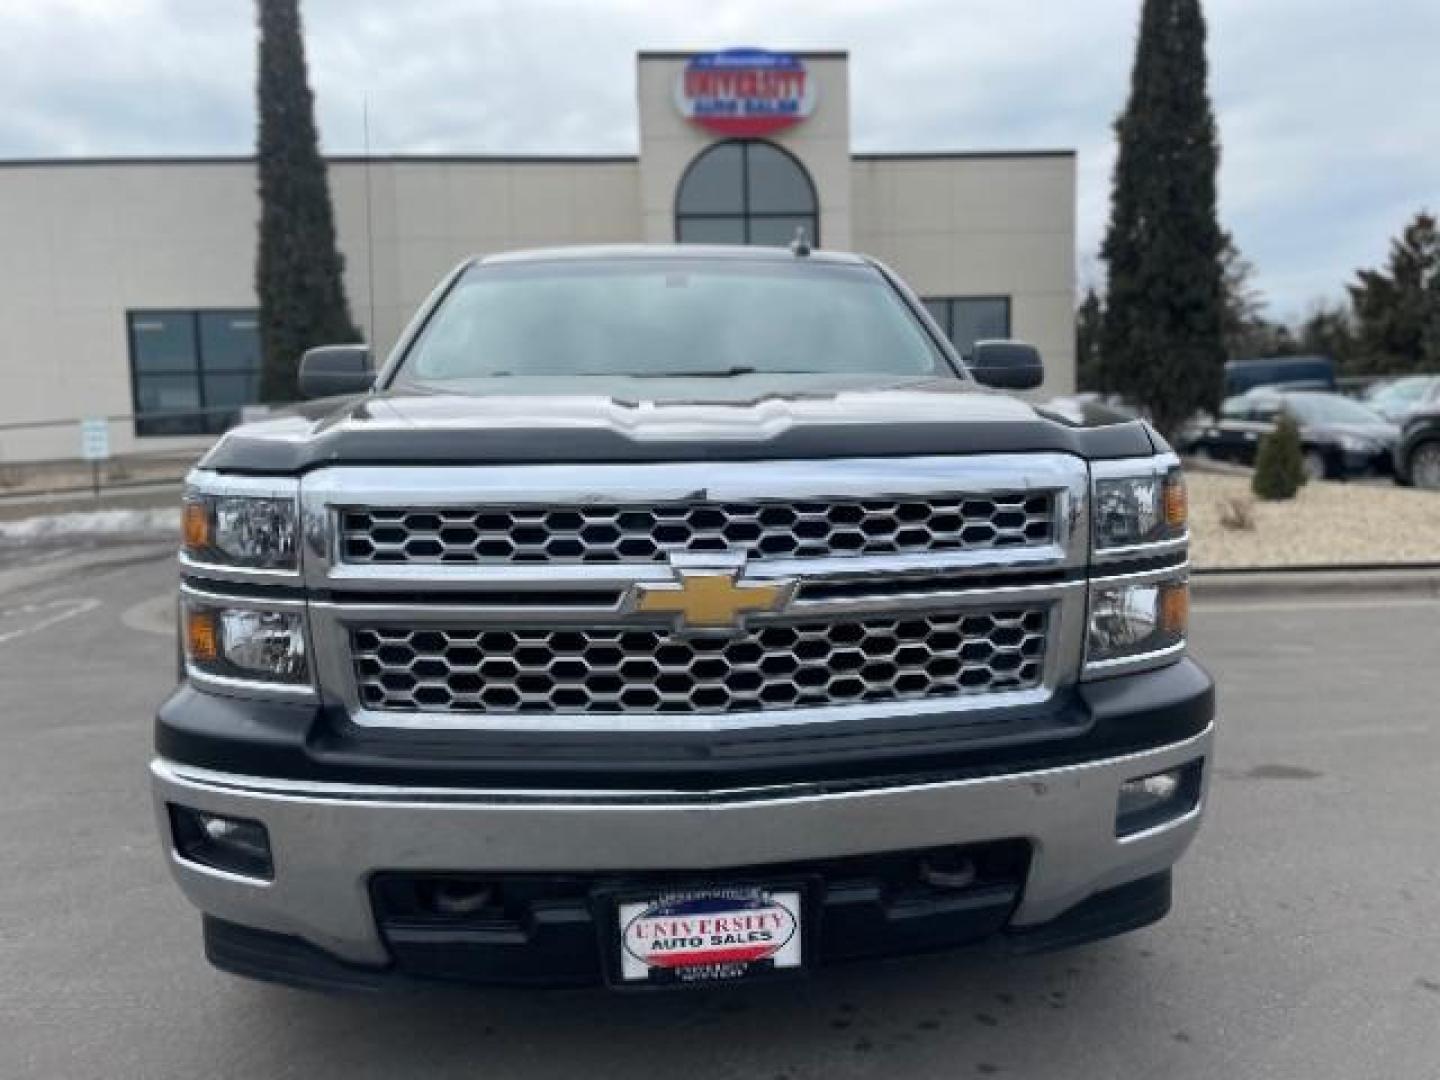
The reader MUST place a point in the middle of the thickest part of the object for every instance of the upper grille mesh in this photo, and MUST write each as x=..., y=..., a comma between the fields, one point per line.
x=647, y=534
x=769, y=666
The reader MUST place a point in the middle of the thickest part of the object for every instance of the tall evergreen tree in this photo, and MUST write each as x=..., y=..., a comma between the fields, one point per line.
x=1397, y=309
x=1089, y=320
x=299, y=271
x=1163, y=342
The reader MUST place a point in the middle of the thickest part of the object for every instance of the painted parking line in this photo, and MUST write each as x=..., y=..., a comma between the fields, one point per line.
x=24, y=619
x=153, y=616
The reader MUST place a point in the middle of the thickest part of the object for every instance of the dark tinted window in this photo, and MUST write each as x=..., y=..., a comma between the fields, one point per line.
x=1236, y=408
x=745, y=192
x=712, y=230
x=777, y=183
x=778, y=230
x=164, y=341
x=230, y=340
x=1330, y=409
x=968, y=319
x=193, y=371
x=715, y=182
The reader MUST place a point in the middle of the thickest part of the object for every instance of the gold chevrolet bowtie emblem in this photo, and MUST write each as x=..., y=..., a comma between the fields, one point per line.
x=710, y=599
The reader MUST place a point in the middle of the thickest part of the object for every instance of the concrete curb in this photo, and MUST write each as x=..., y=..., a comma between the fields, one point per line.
x=1416, y=583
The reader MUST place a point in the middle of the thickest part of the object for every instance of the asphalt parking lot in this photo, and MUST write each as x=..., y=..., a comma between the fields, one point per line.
x=1305, y=940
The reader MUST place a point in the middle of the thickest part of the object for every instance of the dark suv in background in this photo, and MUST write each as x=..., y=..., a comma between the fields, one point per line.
x=1417, y=452
x=1396, y=399
x=1341, y=438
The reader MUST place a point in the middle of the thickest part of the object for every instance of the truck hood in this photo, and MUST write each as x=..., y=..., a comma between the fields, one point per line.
x=727, y=423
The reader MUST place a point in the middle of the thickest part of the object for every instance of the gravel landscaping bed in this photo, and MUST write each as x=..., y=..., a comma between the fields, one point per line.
x=1326, y=524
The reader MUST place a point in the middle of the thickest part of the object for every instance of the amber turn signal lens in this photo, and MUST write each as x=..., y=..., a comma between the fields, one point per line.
x=195, y=525
x=1177, y=502
x=1175, y=608
x=201, y=639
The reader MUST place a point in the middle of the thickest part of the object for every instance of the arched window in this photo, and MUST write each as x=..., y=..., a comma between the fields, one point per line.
x=745, y=192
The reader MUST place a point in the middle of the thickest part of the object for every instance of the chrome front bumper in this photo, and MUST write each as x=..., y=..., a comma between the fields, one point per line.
x=327, y=839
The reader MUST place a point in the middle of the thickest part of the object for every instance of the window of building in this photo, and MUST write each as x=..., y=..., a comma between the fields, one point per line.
x=192, y=371
x=968, y=319
x=745, y=192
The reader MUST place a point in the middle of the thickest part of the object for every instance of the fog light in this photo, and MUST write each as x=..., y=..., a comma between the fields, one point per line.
x=1148, y=801
x=235, y=845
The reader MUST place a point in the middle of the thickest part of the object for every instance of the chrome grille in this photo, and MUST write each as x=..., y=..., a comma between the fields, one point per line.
x=649, y=533
x=770, y=666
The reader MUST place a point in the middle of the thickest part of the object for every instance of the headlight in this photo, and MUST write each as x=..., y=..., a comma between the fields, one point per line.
x=1357, y=444
x=249, y=643
x=1129, y=620
x=1141, y=509
x=240, y=530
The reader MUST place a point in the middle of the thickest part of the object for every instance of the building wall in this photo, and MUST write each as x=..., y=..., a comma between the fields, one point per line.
x=980, y=225
x=84, y=243
x=428, y=216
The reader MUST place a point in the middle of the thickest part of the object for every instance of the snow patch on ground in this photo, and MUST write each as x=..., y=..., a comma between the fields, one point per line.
x=163, y=522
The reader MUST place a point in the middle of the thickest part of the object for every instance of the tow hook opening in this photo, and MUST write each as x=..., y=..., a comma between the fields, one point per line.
x=948, y=870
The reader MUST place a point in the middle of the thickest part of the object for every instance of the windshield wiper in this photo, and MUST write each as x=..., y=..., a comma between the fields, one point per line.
x=717, y=373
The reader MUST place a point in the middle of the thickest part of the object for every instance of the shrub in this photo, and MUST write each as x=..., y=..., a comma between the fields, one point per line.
x=1280, y=466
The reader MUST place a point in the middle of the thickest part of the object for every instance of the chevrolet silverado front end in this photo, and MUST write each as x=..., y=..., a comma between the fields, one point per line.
x=539, y=669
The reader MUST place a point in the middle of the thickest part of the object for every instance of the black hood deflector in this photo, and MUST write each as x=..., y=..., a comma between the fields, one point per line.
x=452, y=430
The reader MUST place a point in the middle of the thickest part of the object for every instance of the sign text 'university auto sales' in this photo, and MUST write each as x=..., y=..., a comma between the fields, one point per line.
x=744, y=93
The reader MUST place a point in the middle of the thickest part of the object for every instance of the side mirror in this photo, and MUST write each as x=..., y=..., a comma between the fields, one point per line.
x=1006, y=365
x=332, y=370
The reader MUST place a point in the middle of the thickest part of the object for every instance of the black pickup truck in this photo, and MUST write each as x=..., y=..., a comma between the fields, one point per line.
x=657, y=616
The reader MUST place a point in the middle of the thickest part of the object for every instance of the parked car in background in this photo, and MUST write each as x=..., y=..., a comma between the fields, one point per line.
x=1089, y=409
x=1417, y=452
x=1396, y=399
x=1292, y=372
x=1341, y=438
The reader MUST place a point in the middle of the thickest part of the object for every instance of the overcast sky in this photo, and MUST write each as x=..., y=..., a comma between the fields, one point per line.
x=1329, y=110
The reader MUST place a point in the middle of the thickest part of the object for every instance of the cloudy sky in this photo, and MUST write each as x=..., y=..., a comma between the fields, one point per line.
x=1329, y=110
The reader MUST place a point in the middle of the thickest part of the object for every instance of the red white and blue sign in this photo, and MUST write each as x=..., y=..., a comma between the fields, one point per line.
x=745, y=93
x=724, y=934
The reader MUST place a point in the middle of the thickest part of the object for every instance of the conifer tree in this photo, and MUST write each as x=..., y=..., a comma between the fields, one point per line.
x=299, y=271
x=1397, y=309
x=1163, y=340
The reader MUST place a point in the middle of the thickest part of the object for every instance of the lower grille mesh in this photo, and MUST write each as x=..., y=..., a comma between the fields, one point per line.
x=770, y=666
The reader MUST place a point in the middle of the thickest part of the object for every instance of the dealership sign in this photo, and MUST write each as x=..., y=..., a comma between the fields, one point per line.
x=714, y=934
x=745, y=92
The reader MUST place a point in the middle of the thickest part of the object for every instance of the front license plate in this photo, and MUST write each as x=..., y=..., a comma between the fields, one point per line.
x=710, y=935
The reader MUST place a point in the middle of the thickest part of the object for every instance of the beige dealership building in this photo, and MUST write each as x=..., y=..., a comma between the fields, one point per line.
x=127, y=286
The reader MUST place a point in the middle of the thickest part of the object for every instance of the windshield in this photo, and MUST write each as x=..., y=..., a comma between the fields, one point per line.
x=670, y=317
x=1330, y=409
x=1401, y=392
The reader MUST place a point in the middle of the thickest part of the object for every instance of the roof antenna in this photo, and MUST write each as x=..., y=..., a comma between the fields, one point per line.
x=800, y=246
x=369, y=227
